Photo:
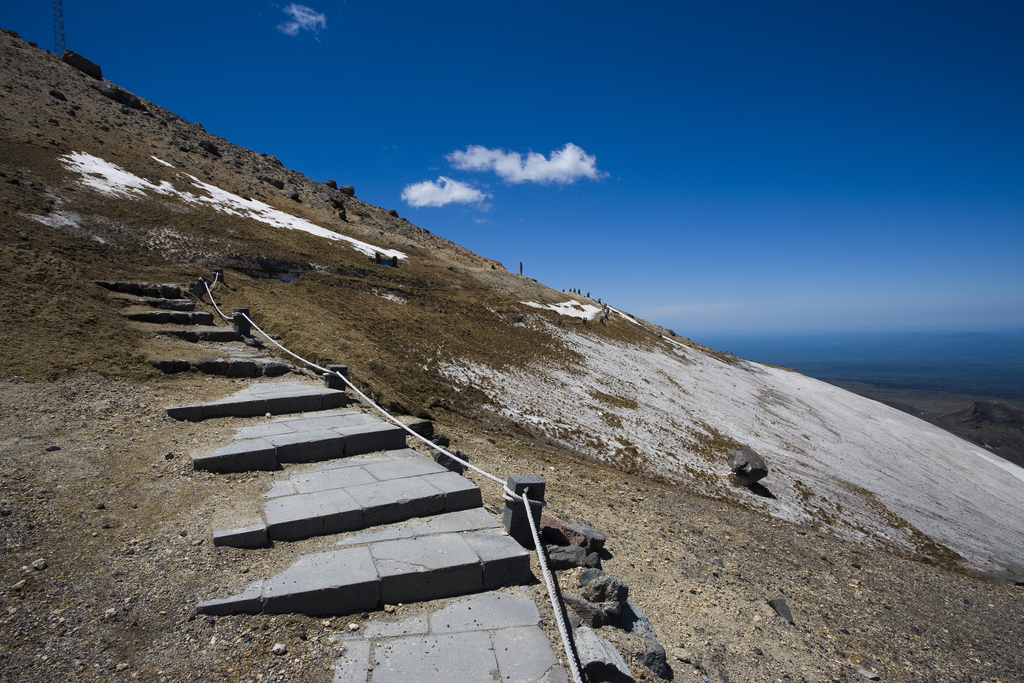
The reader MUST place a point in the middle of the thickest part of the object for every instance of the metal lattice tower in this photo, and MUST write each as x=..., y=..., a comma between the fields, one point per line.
x=58, y=27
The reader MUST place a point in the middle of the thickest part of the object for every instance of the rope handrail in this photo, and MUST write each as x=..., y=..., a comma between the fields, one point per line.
x=509, y=494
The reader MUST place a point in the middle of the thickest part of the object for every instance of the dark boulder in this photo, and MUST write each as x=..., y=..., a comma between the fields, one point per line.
x=331, y=184
x=82, y=64
x=747, y=465
x=347, y=189
x=292, y=194
x=209, y=147
x=654, y=659
x=119, y=95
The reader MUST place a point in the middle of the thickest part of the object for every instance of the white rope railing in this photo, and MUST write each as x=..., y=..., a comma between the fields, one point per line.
x=509, y=494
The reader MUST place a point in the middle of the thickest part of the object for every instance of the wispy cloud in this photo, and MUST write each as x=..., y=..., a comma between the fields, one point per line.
x=443, y=191
x=566, y=165
x=303, y=18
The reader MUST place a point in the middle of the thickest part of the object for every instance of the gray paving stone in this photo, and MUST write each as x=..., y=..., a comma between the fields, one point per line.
x=313, y=446
x=294, y=402
x=186, y=413
x=254, y=536
x=397, y=500
x=232, y=407
x=281, y=488
x=292, y=518
x=388, y=533
x=420, y=569
x=362, y=460
x=336, y=582
x=246, y=602
x=351, y=666
x=454, y=522
x=263, y=430
x=399, y=469
x=450, y=658
x=369, y=438
x=505, y=562
x=240, y=456
x=319, y=421
x=322, y=480
x=459, y=493
x=487, y=611
x=416, y=625
x=510, y=646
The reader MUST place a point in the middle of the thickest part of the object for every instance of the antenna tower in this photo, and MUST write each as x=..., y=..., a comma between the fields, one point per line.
x=58, y=27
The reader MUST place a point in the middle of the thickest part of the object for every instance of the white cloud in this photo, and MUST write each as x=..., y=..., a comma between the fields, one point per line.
x=302, y=18
x=444, y=191
x=566, y=165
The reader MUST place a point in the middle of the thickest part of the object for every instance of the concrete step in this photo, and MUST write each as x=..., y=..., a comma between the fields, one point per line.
x=169, y=317
x=215, y=334
x=231, y=367
x=471, y=639
x=348, y=496
x=276, y=398
x=158, y=291
x=367, y=577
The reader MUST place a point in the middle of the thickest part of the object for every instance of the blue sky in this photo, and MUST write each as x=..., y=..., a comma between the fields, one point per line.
x=725, y=167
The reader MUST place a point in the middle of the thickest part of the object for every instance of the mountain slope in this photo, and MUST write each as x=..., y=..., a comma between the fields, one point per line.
x=630, y=418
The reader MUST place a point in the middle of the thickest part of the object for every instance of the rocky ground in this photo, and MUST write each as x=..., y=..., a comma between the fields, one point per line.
x=105, y=543
x=106, y=550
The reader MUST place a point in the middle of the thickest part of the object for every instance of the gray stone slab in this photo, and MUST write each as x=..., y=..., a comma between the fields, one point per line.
x=217, y=335
x=351, y=667
x=240, y=456
x=281, y=488
x=323, y=480
x=336, y=582
x=485, y=612
x=264, y=388
x=235, y=407
x=360, y=461
x=369, y=438
x=399, y=469
x=450, y=658
x=505, y=562
x=420, y=569
x=246, y=602
x=397, y=500
x=254, y=536
x=524, y=653
x=454, y=522
x=291, y=518
x=318, y=421
x=388, y=533
x=416, y=625
x=263, y=430
x=186, y=413
x=459, y=493
x=293, y=402
x=308, y=446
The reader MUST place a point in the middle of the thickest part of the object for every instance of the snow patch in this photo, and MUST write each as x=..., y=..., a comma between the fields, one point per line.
x=852, y=466
x=112, y=180
x=158, y=159
x=572, y=309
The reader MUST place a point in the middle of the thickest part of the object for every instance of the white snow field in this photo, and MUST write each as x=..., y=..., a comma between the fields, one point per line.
x=112, y=180
x=840, y=462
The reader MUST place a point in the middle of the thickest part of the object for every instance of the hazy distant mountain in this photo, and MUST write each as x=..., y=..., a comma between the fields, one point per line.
x=993, y=425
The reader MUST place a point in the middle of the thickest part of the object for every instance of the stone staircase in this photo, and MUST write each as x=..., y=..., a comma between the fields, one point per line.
x=431, y=537
x=402, y=528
